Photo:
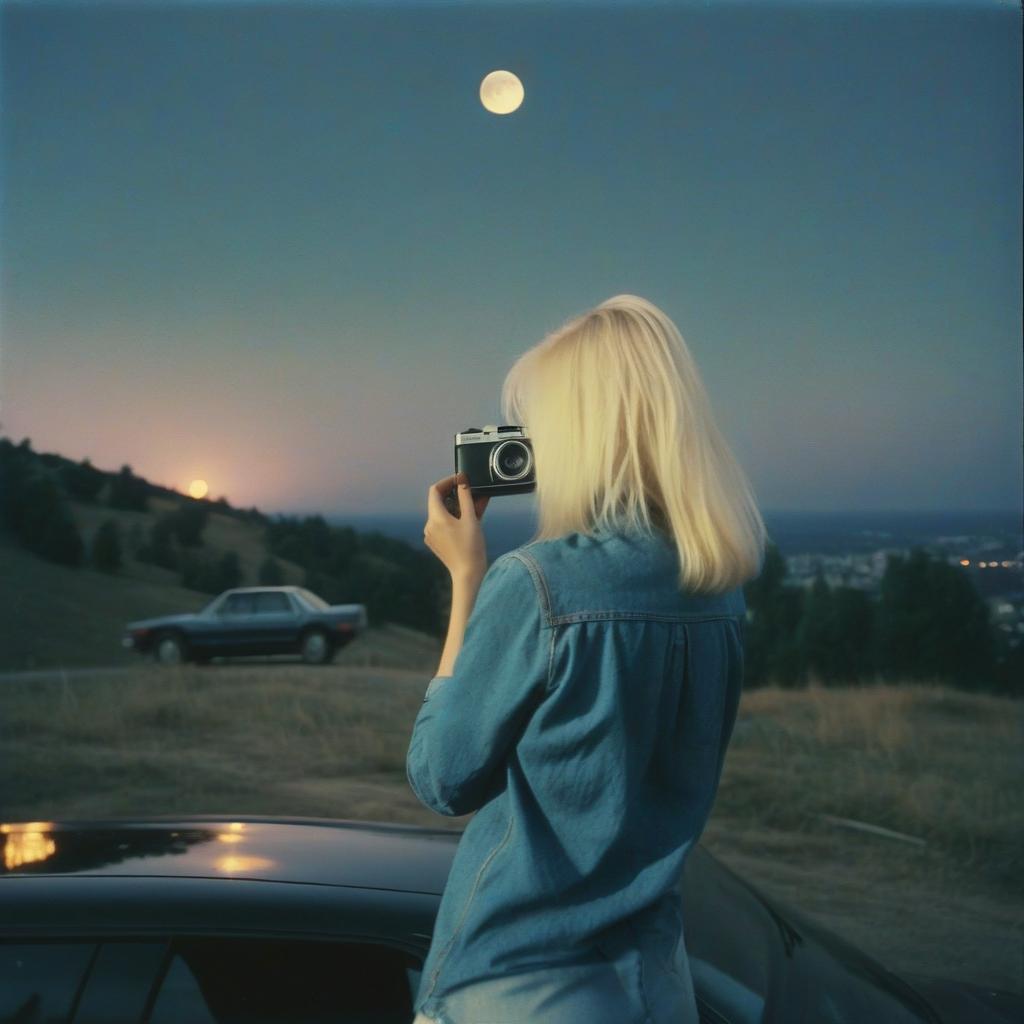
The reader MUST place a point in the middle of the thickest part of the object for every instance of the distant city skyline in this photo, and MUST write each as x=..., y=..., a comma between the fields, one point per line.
x=285, y=250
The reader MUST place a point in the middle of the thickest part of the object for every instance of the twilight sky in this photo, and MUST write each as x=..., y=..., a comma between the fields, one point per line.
x=285, y=249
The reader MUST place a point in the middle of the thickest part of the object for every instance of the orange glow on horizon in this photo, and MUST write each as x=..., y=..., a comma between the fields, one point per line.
x=198, y=489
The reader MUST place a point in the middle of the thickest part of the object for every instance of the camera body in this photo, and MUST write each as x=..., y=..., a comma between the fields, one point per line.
x=495, y=459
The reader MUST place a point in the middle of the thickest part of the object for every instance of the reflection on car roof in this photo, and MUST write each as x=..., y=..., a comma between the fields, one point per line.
x=372, y=855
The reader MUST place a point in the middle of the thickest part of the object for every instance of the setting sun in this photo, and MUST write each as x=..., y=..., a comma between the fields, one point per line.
x=198, y=489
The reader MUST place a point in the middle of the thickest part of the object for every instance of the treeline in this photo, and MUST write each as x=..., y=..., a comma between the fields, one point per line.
x=34, y=505
x=35, y=493
x=928, y=622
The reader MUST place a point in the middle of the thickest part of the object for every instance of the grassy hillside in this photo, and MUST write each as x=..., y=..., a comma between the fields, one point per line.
x=55, y=616
x=221, y=533
x=936, y=764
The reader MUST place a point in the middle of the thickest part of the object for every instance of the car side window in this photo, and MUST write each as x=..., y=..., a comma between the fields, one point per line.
x=40, y=980
x=272, y=603
x=237, y=604
x=120, y=982
x=291, y=982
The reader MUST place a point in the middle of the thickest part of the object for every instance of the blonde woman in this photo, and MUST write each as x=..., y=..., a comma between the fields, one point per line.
x=588, y=686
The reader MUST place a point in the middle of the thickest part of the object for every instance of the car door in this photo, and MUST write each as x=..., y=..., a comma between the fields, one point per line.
x=233, y=628
x=276, y=622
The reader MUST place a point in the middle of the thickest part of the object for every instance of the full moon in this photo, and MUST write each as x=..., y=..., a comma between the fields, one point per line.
x=198, y=489
x=501, y=92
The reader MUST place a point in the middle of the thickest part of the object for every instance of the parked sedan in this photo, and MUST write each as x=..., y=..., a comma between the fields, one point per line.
x=264, y=920
x=251, y=620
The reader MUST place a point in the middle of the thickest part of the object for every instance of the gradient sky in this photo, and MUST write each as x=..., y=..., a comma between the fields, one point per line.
x=284, y=248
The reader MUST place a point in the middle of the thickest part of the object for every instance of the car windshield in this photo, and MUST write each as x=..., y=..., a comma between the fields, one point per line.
x=312, y=600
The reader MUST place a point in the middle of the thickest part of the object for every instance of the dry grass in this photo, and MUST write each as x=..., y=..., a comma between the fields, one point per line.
x=933, y=763
x=923, y=760
x=204, y=740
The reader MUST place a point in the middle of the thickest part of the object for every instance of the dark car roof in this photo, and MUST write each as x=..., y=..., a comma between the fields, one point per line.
x=339, y=852
x=283, y=588
x=322, y=877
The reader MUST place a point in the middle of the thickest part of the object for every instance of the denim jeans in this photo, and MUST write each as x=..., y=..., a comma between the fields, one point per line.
x=635, y=978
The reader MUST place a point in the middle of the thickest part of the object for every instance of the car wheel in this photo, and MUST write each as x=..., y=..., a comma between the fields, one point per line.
x=169, y=649
x=316, y=648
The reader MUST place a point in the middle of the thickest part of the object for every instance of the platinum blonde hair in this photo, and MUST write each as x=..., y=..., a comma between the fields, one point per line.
x=624, y=437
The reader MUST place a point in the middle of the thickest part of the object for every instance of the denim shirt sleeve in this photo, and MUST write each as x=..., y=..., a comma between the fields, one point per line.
x=469, y=720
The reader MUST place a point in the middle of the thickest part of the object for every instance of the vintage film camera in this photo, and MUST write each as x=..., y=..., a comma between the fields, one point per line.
x=496, y=460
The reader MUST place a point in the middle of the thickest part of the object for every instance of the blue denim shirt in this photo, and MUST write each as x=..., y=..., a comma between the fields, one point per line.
x=585, y=723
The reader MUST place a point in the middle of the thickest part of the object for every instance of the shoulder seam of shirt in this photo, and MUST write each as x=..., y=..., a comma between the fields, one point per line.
x=539, y=582
x=544, y=597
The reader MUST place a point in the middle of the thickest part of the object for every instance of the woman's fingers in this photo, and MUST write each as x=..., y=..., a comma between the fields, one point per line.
x=437, y=492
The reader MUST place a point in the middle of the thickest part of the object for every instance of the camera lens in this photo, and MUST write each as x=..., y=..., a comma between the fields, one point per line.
x=511, y=460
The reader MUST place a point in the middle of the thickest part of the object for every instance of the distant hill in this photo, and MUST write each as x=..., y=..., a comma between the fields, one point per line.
x=57, y=608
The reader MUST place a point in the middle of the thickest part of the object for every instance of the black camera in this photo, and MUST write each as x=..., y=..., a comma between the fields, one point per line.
x=496, y=460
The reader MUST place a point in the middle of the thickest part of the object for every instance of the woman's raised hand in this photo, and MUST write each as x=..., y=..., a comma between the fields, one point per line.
x=456, y=539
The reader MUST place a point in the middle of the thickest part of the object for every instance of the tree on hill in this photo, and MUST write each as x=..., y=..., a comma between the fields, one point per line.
x=34, y=508
x=816, y=632
x=344, y=547
x=211, y=573
x=853, y=613
x=308, y=541
x=396, y=582
x=44, y=523
x=82, y=480
x=271, y=573
x=1009, y=672
x=323, y=586
x=136, y=540
x=771, y=652
x=128, y=491
x=188, y=521
x=16, y=470
x=230, y=570
x=833, y=636
x=932, y=623
x=106, y=547
x=160, y=549
x=291, y=550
